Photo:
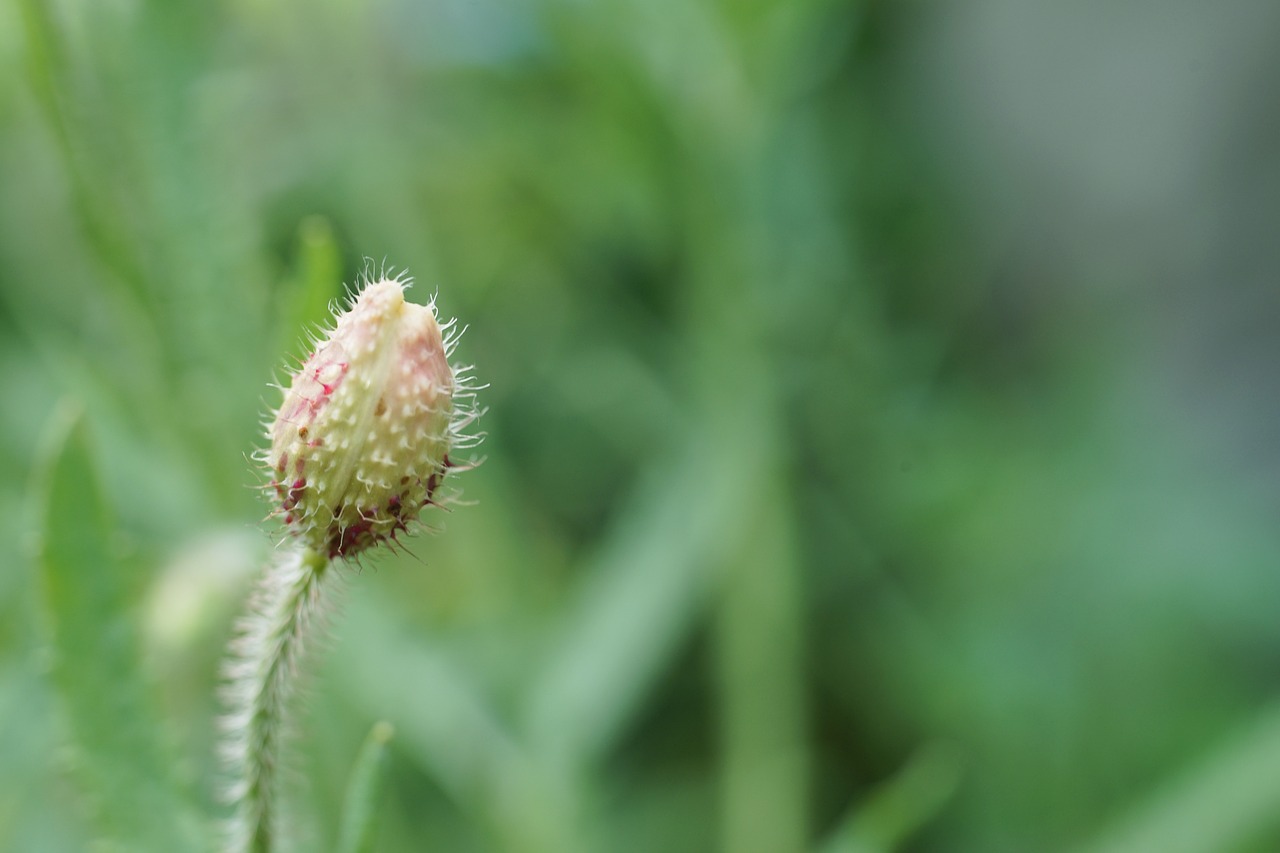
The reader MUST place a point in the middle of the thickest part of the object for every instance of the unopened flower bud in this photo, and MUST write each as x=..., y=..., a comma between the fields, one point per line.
x=361, y=442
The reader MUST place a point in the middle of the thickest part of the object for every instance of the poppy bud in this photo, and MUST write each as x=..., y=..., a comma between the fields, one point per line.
x=361, y=442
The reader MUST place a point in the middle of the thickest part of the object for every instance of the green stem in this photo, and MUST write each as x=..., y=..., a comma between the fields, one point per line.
x=261, y=673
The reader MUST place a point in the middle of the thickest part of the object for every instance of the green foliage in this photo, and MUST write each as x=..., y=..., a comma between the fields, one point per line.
x=881, y=449
x=116, y=748
x=359, y=827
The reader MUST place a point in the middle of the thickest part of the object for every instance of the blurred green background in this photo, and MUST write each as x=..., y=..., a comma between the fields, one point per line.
x=882, y=426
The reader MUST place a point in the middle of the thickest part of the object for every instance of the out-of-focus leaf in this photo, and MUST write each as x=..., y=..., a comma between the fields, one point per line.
x=126, y=776
x=440, y=718
x=450, y=729
x=358, y=829
x=758, y=640
x=639, y=599
x=901, y=806
x=1224, y=803
x=316, y=281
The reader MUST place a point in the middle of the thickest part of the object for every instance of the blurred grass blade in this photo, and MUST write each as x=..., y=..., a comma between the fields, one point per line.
x=638, y=601
x=447, y=727
x=1226, y=803
x=47, y=64
x=758, y=631
x=132, y=793
x=357, y=831
x=440, y=718
x=899, y=807
x=315, y=282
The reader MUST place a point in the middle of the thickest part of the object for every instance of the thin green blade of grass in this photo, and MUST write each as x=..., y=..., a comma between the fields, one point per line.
x=443, y=722
x=358, y=828
x=639, y=599
x=316, y=281
x=899, y=807
x=128, y=782
x=1226, y=802
x=448, y=727
x=48, y=67
x=758, y=642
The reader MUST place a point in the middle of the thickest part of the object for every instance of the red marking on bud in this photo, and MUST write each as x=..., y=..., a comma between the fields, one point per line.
x=328, y=374
x=350, y=539
x=295, y=494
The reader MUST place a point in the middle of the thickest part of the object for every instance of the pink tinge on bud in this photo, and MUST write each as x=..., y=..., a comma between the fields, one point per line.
x=361, y=441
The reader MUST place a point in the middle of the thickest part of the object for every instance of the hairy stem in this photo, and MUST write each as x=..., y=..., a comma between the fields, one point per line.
x=261, y=675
